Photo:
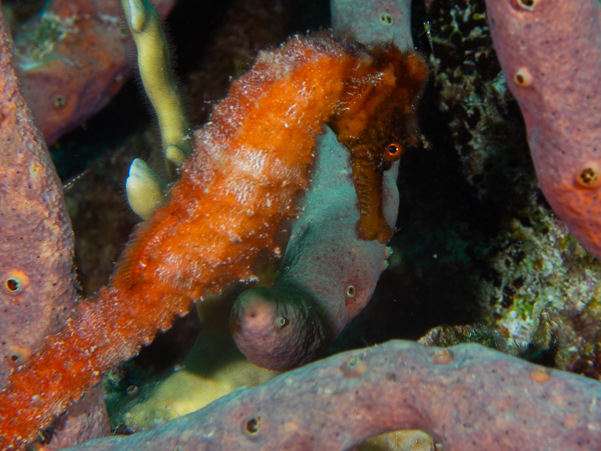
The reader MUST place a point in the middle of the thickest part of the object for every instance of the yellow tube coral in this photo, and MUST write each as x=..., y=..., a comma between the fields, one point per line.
x=144, y=188
x=158, y=80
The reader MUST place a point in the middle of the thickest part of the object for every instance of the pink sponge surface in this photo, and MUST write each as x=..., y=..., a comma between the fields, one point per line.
x=550, y=52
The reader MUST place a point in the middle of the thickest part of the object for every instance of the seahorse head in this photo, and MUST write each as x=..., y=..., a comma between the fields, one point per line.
x=376, y=120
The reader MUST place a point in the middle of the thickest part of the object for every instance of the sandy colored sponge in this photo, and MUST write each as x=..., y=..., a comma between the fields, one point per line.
x=213, y=369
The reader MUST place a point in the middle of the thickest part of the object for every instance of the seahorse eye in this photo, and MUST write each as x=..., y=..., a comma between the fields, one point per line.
x=393, y=152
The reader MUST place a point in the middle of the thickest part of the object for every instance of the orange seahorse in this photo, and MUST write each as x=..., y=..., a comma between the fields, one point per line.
x=249, y=163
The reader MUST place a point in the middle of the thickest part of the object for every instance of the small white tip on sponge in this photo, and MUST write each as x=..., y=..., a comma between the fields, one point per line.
x=145, y=189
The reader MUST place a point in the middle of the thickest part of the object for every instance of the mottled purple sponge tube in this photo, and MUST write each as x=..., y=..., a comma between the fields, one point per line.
x=467, y=398
x=328, y=274
x=372, y=21
x=550, y=51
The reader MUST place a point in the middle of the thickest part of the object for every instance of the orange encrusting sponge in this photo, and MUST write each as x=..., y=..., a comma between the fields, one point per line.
x=249, y=163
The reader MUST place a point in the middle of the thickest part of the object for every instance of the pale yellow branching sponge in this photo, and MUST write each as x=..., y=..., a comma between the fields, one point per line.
x=160, y=86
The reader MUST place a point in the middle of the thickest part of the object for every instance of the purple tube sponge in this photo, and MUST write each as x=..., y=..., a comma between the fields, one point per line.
x=467, y=398
x=371, y=21
x=550, y=52
x=328, y=274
